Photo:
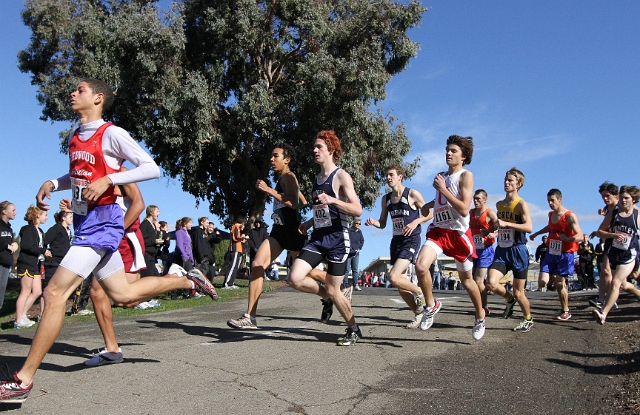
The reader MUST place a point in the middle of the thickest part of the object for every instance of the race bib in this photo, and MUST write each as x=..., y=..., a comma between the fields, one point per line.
x=277, y=220
x=78, y=205
x=442, y=216
x=478, y=241
x=624, y=244
x=398, y=225
x=555, y=247
x=505, y=238
x=321, y=216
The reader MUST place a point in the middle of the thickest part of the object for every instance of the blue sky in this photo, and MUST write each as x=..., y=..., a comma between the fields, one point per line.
x=549, y=87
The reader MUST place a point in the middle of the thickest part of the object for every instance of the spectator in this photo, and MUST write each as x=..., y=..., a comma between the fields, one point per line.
x=213, y=239
x=163, y=249
x=235, y=252
x=58, y=240
x=7, y=245
x=586, y=255
x=451, y=282
x=149, y=229
x=183, y=254
x=541, y=250
x=436, y=275
x=200, y=245
x=30, y=264
x=357, y=241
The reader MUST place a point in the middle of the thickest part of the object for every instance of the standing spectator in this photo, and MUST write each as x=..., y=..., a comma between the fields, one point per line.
x=58, y=240
x=163, y=249
x=214, y=238
x=451, y=282
x=183, y=254
x=235, y=252
x=436, y=275
x=357, y=241
x=30, y=261
x=149, y=229
x=200, y=241
x=586, y=254
x=541, y=250
x=7, y=245
x=257, y=235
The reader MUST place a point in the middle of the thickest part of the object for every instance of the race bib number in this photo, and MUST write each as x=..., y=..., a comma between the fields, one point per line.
x=555, y=247
x=321, y=216
x=398, y=225
x=505, y=238
x=78, y=205
x=277, y=220
x=624, y=243
x=442, y=216
x=478, y=241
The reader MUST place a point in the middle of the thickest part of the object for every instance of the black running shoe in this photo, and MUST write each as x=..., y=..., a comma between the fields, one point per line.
x=350, y=338
x=327, y=310
x=508, y=311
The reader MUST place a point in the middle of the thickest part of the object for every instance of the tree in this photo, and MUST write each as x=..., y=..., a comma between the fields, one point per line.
x=211, y=86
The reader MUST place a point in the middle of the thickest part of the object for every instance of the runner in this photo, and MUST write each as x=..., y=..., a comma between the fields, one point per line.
x=512, y=253
x=620, y=225
x=284, y=234
x=334, y=198
x=564, y=236
x=449, y=233
x=97, y=150
x=482, y=218
x=403, y=205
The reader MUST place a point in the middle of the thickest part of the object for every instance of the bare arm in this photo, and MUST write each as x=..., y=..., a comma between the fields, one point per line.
x=603, y=230
x=572, y=221
x=290, y=186
x=463, y=204
x=137, y=204
x=344, y=183
x=382, y=222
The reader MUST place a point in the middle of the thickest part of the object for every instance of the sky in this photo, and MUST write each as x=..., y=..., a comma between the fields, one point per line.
x=549, y=87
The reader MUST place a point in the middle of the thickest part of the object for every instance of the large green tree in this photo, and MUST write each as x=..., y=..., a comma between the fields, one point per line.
x=210, y=85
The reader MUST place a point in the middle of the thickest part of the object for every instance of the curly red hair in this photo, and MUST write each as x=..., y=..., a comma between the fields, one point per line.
x=332, y=141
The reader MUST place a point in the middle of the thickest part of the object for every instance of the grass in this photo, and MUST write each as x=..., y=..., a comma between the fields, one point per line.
x=7, y=314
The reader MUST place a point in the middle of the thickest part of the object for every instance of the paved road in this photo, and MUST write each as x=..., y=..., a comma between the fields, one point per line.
x=189, y=361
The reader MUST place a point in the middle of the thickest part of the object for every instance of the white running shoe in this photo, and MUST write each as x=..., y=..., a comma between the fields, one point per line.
x=478, y=329
x=415, y=323
x=178, y=270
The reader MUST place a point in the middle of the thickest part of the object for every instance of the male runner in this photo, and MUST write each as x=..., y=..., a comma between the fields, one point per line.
x=403, y=205
x=97, y=150
x=512, y=254
x=481, y=220
x=334, y=198
x=564, y=236
x=284, y=234
x=449, y=232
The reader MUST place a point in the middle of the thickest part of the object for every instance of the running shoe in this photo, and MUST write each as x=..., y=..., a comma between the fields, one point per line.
x=421, y=304
x=564, y=316
x=524, y=326
x=508, y=311
x=415, y=323
x=85, y=312
x=327, y=310
x=357, y=288
x=202, y=283
x=478, y=329
x=10, y=389
x=599, y=316
x=23, y=323
x=230, y=287
x=350, y=338
x=596, y=302
x=243, y=323
x=178, y=270
x=104, y=357
x=487, y=311
x=429, y=313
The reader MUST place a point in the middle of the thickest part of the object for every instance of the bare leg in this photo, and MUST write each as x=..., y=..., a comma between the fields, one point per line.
x=493, y=284
x=479, y=275
x=519, y=295
x=268, y=251
x=619, y=276
x=426, y=257
x=466, y=279
x=605, y=279
x=341, y=302
x=304, y=278
x=128, y=295
x=30, y=290
x=563, y=293
x=543, y=280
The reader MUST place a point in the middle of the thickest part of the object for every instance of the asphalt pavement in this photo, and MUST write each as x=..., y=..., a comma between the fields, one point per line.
x=189, y=362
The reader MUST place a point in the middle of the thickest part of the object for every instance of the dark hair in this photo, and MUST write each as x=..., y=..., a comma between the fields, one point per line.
x=202, y=219
x=184, y=221
x=287, y=152
x=481, y=192
x=59, y=216
x=555, y=192
x=609, y=187
x=465, y=144
x=633, y=191
x=332, y=141
x=162, y=223
x=101, y=87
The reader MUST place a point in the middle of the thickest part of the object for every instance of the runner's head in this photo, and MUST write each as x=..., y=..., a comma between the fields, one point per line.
x=631, y=191
x=554, y=198
x=516, y=176
x=332, y=142
x=395, y=173
x=479, y=198
x=101, y=87
x=283, y=155
x=465, y=144
x=609, y=193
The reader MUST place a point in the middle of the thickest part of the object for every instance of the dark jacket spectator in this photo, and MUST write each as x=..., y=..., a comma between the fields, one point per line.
x=257, y=235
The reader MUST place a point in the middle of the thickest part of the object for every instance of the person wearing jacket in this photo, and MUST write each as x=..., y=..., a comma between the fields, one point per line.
x=7, y=245
x=58, y=240
x=150, y=231
x=30, y=259
x=257, y=235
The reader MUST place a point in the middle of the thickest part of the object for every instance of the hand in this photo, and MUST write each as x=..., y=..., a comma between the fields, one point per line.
x=47, y=253
x=532, y=237
x=13, y=247
x=502, y=224
x=65, y=205
x=408, y=229
x=96, y=189
x=262, y=186
x=369, y=222
x=303, y=228
x=439, y=183
x=45, y=191
x=325, y=199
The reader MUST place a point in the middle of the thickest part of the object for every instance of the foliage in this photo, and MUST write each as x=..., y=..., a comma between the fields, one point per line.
x=211, y=86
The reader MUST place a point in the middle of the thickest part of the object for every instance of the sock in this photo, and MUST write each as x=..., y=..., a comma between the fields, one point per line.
x=193, y=285
x=527, y=317
x=355, y=328
x=510, y=298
